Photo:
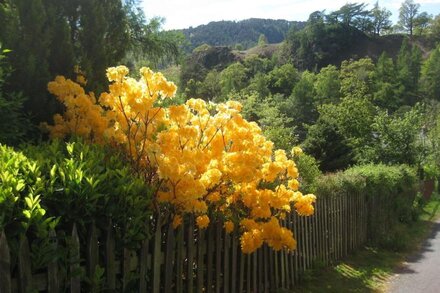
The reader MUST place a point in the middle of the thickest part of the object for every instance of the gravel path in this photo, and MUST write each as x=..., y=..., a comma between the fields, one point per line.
x=421, y=272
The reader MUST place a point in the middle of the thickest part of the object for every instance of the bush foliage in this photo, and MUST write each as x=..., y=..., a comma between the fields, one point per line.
x=59, y=184
x=390, y=192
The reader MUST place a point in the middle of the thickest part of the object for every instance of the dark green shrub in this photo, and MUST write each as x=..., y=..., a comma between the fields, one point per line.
x=14, y=124
x=308, y=171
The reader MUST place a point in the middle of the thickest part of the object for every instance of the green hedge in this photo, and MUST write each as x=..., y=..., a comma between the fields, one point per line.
x=390, y=193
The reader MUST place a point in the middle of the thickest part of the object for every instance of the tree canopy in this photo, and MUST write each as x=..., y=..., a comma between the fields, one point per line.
x=50, y=37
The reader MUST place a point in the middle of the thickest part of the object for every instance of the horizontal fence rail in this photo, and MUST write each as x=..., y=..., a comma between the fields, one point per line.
x=187, y=259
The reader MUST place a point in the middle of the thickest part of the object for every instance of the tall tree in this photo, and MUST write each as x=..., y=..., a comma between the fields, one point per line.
x=327, y=86
x=49, y=37
x=422, y=22
x=434, y=29
x=380, y=18
x=233, y=78
x=353, y=14
x=326, y=143
x=14, y=125
x=408, y=13
x=29, y=37
x=300, y=103
x=282, y=79
x=262, y=40
x=408, y=66
x=431, y=75
x=396, y=138
x=357, y=78
x=387, y=89
x=103, y=36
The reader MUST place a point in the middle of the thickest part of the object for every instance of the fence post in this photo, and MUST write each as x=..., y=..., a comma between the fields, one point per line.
x=226, y=271
x=190, y=255
x=5, y=265
x=234, y=264
x=52, y=271
x=126, y=262
x=110, y=258
x=200, y=260
x=75, y=281
x=210, y=257
x=157, y=255
x=24, y=266
x=169, y=260
x=92, y=254
x=143, y=263
x=180, y=259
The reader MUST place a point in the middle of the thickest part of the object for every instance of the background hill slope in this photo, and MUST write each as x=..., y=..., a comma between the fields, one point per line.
x=244, y=33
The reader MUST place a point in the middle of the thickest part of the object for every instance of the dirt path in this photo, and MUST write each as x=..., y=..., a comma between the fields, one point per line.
x=421, y=271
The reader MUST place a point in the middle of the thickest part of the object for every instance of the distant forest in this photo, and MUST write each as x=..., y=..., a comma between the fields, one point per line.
x=239, y=34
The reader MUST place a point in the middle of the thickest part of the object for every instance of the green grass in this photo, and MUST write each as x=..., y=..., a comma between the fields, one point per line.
x=369, y=269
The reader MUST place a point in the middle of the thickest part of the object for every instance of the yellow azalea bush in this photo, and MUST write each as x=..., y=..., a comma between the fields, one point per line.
x=200, y=157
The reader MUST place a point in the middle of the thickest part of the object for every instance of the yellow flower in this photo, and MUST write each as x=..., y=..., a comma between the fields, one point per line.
x=304, y=205
x=229, y=226
x=117, y=73
x=293, y=184
x=198, y=156
x=251, y=241
x=249, y=224
x=177, y=221
x=81, y=79
x=213, y=197
x=211, y=177
x=296, y=151
x=202, y=221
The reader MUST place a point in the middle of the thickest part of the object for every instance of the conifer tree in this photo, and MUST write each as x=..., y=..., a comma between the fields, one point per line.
x=431, y=75
x=50, y=37
x=28, y=36
x=387, y=88
x=408, y=67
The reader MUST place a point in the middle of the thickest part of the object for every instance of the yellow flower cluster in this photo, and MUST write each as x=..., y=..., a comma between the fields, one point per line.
x=201, y=157
x=270, y=232
x=296, y=151
x=80, y=75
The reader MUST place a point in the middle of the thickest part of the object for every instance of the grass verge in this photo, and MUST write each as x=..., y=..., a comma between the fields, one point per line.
x=369, y=269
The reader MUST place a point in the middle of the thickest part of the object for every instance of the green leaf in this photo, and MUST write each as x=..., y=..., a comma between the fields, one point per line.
x=53, y=171
x=70, y=147
x=27, y=214
x=20, y=186
x=42, y=212
x=29, y=202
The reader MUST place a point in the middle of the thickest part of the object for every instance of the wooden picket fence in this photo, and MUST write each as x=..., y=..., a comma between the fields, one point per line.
x=192, y=260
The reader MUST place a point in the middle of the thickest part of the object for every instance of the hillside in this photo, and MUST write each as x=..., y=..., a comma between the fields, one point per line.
x=373, y=47
x=263, y=51
x=244, y=33
x=206, y=58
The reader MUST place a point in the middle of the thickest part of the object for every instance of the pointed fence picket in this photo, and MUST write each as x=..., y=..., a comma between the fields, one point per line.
x=187, y=259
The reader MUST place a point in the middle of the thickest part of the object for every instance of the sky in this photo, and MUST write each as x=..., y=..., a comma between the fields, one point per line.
x=180, y=14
